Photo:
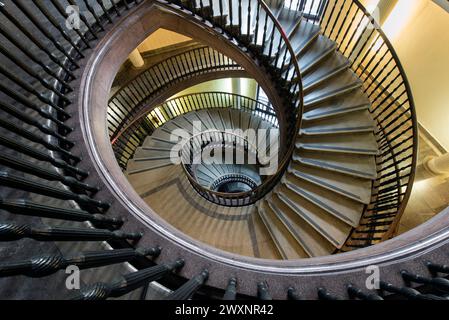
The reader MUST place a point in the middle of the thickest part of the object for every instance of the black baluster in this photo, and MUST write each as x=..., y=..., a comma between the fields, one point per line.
x=437, y=268
x=125, y=3
x=438, y=283
x=27, y=87
x=187, y=290
x=29, y=104
x=359, y=294
x=63, y=13
x=42, y=266
x=105, y=11
x=130, y=282
x=262, y=291
x=53, y=21
x=13, y=232
x=83, y=18
x=29, y=167
x=33, y=39
x=117, y=11
x=231, y=290
x=323, y=294
x=32, y=56
x=409, y=293
x=14, y=181
x=93, y=13
x=39, y=155
x=25, y=207
x=35, y=138
x=292, y=295
x=25, y=67
x=26, y=11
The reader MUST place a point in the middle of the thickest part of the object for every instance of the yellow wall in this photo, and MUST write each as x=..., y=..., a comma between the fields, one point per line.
x=242, y=86
x=161, y=38
x=419, y=31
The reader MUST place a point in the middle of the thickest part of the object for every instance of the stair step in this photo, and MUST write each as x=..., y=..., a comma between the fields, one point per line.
x=203, y=117
x=170, y=131
x=310, y=241
x=351, y=187
x=275, y=8
x=235, y=118
x=355, y=143
x=290, y=21
x=331, y=66
x=361, y=166
x=226, y=118
x=347, y=210
x=344, y=83
x=319, y=50
x=285, y=243
x=142, y=153
x=331, y=228
x=265, y=243
x=244, y=120
x=301, y=39
x=140, y=167
x=357, y=121
x=324, y=113
x=209, y=170
x=216, y=120
x=304, y=37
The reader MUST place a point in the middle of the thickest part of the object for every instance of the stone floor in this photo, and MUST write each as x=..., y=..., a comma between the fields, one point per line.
x=430, y=196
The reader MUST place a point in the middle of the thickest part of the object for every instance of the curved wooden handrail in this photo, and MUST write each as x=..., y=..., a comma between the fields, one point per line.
x=380, y=40
x=414, y=120
x=181, y=97
x=428, y=242
x=295, y=80
x=132, y=89
x=247, y=197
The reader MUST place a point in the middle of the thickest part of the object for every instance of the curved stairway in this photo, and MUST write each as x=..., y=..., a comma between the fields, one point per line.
x=163, y=184
x=55, y=182
x=312, y=211
x=329, y=181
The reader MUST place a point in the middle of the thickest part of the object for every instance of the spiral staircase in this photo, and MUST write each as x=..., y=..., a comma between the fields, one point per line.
x=348, y=135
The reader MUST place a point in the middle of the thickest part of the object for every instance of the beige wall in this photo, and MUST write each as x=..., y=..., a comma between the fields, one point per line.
x=419, y=31
x=161, y=38
x=242, y=86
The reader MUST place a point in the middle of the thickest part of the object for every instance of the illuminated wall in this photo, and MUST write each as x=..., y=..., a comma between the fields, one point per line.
x=242, y=86
x=161, y=38
x=419, y=31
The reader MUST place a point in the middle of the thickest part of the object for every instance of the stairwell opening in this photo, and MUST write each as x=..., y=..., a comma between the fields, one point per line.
x=302, y=188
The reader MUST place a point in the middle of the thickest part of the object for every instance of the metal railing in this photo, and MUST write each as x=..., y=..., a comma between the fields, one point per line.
x=128, y=102
x=231, y=178
x=253, y=25
x=207, y=142
x=134, y=134
x=39, y=62
x=260, y=32
x=35, y=87
x=374, y=60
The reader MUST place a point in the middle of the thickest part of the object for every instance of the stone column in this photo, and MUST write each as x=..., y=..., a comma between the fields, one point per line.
x=136, y=59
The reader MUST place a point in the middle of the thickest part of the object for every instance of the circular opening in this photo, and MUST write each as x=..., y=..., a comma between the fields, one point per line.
x=235, y=185
x=94, y=112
